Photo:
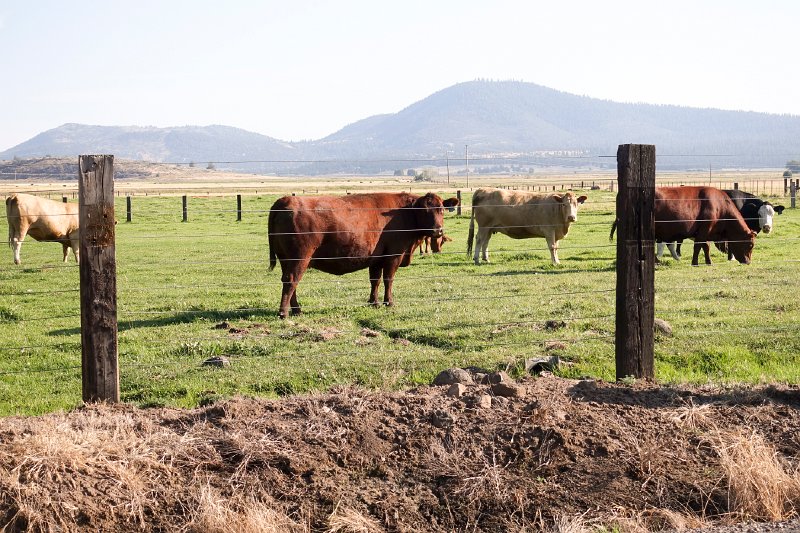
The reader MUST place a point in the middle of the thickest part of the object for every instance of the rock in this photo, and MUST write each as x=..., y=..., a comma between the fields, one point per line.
x=441, y=419
x=366, y=332
x=541, y=364
x=481, y=378
x=453, y=375
x=498, y=377
x=662, y=326
x=554, y=345
x=222, y=325
x=484, y=401
x=498, y=401
x=217, y=361
x=555, y=324
x=508, y=390
x=456, y=390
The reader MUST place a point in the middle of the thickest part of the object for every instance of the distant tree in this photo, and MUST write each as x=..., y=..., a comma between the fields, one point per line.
x=398, y=172
x=787, y=174
x=793, y=165
x=191, y=164
x=411, y=172
x=211, y=166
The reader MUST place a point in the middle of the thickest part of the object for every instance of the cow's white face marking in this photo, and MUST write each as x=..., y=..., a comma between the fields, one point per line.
x=765, y=214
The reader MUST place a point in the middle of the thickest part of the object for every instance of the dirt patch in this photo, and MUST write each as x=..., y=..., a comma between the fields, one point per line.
x=565, y=454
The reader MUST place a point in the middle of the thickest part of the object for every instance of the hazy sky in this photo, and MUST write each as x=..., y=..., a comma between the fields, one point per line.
x=303, y=69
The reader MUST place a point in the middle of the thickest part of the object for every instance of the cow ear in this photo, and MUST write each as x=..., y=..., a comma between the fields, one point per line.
x=582, y=199
x=558, y=197
x=451, y=203
x=445, y=238
x=778, y=209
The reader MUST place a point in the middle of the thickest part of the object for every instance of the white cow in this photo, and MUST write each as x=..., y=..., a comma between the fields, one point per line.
x=44, y=220
x=521, y=215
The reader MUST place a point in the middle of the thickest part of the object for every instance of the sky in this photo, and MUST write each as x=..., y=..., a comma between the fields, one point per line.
x=303, y=69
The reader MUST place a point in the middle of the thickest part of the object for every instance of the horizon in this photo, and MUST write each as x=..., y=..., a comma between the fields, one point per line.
x=304, y=71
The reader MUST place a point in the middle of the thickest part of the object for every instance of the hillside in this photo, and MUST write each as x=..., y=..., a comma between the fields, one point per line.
x=492, y=118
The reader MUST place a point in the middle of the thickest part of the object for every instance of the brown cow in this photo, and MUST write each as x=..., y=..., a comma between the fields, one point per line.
x=520, y=215
x=704, y=214
x=342, y=234
x=44, y=220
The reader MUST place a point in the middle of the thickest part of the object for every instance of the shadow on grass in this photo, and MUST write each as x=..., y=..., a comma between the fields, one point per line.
x=182, y=317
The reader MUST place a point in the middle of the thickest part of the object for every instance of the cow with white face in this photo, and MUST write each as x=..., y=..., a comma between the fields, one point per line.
x=521, y=215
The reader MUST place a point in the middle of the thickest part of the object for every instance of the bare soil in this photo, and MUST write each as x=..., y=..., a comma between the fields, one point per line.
x=563, y=455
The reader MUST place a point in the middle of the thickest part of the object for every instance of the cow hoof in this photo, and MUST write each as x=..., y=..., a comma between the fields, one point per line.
x=374, y=304
x=388, y=304
x=296, y=311
x=282, y=316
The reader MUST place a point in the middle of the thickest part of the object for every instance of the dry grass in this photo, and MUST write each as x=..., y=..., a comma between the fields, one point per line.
x=215, y=514
x=349, y=520
x=761, y=484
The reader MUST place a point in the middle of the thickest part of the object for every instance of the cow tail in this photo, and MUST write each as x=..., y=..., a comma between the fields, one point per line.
x=471, y=228
x=11, y=200
x=613, y=229
x=270, y=228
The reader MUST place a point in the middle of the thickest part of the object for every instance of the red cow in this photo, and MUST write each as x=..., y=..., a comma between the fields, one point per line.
x=342, y=234
x=704, y=214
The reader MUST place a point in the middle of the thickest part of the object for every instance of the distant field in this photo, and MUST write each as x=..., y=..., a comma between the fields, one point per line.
x=178, y=282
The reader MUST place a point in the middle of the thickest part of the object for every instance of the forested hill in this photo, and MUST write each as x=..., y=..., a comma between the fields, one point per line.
x=490, y=117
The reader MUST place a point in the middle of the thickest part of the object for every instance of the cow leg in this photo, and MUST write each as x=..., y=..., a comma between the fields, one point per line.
x=707, y=252
x=375, y=283
x=75, y=244
x=292, y=273
x=552, y=244
x=65, y=248
x=695, y=256
x=672, y=247
x=659, y=250
x=389, y=272
x=482, y=245
x=16, y=245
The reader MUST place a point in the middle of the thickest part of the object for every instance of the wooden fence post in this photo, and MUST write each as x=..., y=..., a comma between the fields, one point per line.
x=128, y=210
x=458, y=195
x=735, y=186
x=238, y=208
x=185, y=209
x=64, y=199
x=792, y=194
x=98, y=278
x=635, y=312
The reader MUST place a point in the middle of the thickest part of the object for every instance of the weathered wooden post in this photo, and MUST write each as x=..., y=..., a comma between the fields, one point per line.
x=185, y=209
x=128, y=209
x=64, y=199
x=238, y=208
x=792, y=194
x=635, y=313
x=98, y=278
x=735, y=186
x=458, y=195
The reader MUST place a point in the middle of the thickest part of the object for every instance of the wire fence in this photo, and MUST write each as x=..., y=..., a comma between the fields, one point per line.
x=179, y=282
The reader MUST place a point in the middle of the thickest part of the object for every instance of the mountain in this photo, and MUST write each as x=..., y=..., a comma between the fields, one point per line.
x=494, y=119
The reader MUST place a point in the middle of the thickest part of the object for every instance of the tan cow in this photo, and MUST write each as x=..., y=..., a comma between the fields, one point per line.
x=44, y=220
x=521, y=215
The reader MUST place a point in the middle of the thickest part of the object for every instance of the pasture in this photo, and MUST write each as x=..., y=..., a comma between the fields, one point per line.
x=194, y=290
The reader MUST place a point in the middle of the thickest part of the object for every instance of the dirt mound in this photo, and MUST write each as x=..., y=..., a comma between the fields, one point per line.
x=559, y=454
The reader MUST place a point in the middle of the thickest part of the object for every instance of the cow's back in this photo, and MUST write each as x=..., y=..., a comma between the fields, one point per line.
x=338, y=233
x=680, y=211
x=517, y=212
x=44, y=219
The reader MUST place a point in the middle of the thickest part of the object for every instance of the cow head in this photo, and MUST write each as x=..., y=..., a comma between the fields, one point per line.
x=778, y=209
x=742, y=249
x=765, y=214
x=451, y=204
x=569, y=204
x=437, y=242
x=429, y=215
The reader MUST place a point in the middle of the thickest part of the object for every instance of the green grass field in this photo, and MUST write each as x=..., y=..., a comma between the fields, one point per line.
x=177, y=281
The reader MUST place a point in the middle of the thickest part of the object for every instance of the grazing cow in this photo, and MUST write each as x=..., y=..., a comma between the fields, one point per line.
x=520, y=215
x=342, y=234
x=757, y=214
x=704, y=214
x=44, y=220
